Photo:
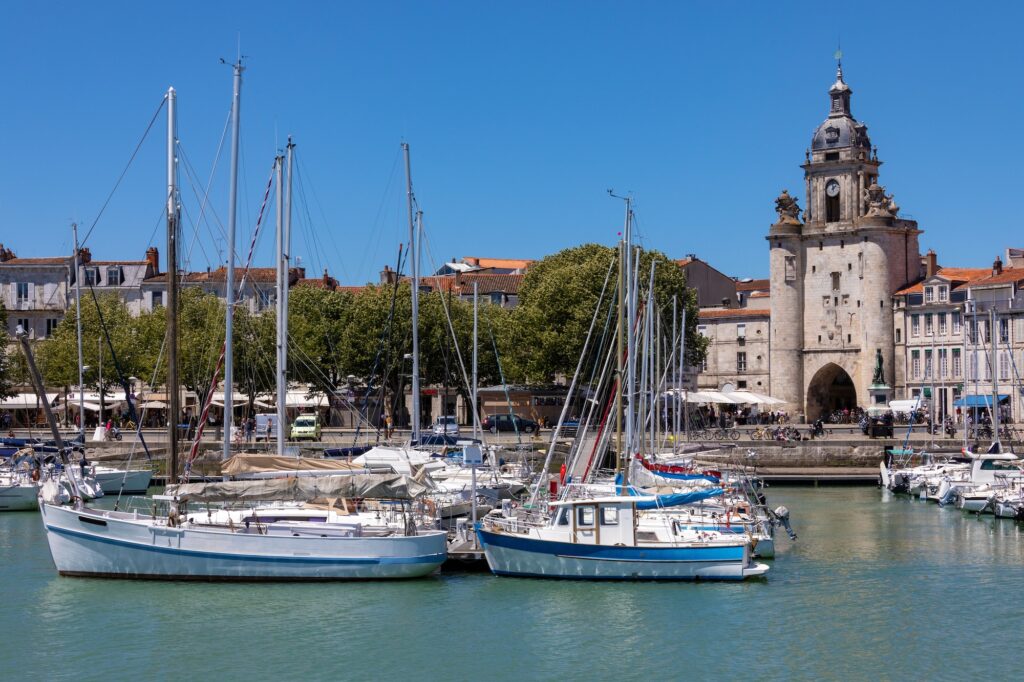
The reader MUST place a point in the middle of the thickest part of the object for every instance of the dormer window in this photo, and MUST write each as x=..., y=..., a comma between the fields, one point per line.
x=943, y=293
x=929, y=294
x=115, y=276
x=92, y=277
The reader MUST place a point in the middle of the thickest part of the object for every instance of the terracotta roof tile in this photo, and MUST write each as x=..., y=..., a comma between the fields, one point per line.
x=955, y=276
x=37, y=261
x=509, y=263
x=719, y=313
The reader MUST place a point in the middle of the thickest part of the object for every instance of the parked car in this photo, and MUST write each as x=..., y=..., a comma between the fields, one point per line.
x=446, y=425
x=305, y=427
x=509, y=422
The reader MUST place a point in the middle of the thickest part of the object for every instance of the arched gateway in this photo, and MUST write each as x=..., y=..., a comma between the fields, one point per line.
x=831, y=389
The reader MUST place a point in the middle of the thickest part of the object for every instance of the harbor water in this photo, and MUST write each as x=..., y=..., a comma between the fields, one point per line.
x=876, y=587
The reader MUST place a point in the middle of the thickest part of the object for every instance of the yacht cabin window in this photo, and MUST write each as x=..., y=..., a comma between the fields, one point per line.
x=609, y=516
x=585, y=516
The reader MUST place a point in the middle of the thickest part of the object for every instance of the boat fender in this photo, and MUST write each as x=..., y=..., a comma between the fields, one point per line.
x=35, y=474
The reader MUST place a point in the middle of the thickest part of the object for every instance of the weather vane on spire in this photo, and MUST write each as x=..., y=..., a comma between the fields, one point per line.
x=839, y=60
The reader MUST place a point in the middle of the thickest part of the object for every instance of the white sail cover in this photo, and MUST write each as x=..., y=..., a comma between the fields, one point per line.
x=240, y=465
x=380, y=486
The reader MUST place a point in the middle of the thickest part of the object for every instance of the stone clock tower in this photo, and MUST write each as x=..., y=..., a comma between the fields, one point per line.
x=834, y=273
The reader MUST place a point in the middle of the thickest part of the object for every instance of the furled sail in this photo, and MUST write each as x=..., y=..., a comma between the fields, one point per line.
x=379, y=486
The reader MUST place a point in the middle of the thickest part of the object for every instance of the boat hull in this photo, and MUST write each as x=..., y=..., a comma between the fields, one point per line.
x=107, y=544
x=135, y=481
x=519, y=555
x=19, y=498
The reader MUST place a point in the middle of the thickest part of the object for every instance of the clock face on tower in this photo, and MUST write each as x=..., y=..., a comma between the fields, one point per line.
x=832, y=188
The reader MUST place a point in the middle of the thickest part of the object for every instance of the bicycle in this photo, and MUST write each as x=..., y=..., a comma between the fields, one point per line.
x=726, y=434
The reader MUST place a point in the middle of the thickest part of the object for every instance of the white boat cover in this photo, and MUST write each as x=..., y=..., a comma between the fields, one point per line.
x=239, y=465
x=378, y=486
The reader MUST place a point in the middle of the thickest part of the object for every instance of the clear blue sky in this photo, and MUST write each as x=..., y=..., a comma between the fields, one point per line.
x=519, y=115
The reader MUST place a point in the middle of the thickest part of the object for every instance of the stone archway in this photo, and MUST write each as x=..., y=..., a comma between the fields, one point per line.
x=831, y=389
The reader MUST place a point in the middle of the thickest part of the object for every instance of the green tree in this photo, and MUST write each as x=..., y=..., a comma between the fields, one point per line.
x=557, y=301
x=135, y=344
x=7, y=360
x=200, y=339
x=254, y=352
x=317, y=319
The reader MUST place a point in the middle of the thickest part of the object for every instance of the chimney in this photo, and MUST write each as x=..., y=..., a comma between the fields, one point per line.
x=997, y=266
x=5, y=254
x=327, y=279
x=388, y=276
x=930, y=266
x=85, y=254
x=153, y=259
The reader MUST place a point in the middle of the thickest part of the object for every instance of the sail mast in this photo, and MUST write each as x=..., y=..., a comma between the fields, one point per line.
x=78, y=331
x=280, y=281
x=414, y=251
x=230, y=294
x=287, y=263
x=994, y=333
x=171, y=309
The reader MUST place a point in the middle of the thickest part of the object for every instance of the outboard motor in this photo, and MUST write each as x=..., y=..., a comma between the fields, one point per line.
x=782, y=514
x=901, y=483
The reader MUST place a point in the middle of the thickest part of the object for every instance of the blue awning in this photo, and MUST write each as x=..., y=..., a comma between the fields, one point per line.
x=979, y=400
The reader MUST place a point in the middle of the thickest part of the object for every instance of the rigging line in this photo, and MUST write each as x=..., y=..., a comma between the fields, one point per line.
x=501, y=375
x=220, y=362
x=120, y=375
x=385, y=333
x=142, y=418
x=256, y=232
x=124, y=172
x=204, y=198
x=213, y=171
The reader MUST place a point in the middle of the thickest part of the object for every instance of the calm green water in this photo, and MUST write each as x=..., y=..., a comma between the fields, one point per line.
x=875, y=588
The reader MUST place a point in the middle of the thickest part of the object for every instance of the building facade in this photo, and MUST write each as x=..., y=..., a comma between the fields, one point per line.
x=833, y=274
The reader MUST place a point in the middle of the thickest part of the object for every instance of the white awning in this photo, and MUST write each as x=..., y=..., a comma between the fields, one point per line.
x=153, y=405
x=905, y=405
x=26, y=401
x=751, y=398
x=299, y=399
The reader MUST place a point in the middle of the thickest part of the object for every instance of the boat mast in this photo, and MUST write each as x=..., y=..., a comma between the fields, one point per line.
x=230, y=294
x=78, y=331
x=281, y=331
x=630, y=343
x=283, y=303
x=171, y=310
x=414, y=219
x=476, y=382
x=995, y=374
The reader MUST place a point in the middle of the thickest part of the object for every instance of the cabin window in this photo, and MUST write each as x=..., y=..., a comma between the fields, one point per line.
x=585, y=517
x=609, y=516
x=563, y=517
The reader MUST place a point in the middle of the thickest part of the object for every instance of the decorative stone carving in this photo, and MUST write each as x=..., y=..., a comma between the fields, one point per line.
x=787, y=208
x=880, y=204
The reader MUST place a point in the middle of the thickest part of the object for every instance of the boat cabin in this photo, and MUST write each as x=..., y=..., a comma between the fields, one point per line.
x=598, y=521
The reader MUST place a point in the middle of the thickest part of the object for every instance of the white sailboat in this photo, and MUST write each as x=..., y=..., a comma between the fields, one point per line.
x=179, y=544
x=622, y=536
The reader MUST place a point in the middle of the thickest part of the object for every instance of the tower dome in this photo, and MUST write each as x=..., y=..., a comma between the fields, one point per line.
x=840, y=129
